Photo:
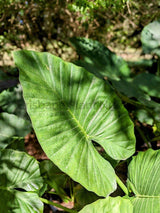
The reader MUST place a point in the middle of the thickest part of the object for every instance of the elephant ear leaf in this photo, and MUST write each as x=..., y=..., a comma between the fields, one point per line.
x=109, y=205
x=69, y=109
x=144, y=181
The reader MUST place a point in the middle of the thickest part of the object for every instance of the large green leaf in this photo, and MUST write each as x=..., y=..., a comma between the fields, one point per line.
x=11, y=125
x=109, y=205
x=99, y=60
x=150, y=38
x=20, y=182
x=70, y=108
x=144, y=181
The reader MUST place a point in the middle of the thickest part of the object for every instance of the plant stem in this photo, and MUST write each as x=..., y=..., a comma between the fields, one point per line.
x=121, y=185
x=156, y=138
x=53, y=193
x=128, y=100
x=57, y=205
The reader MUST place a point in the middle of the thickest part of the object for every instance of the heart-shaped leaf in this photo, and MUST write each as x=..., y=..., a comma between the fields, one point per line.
x=70, y=108
x=20, y=181
x=109, y=205
x=144, y=181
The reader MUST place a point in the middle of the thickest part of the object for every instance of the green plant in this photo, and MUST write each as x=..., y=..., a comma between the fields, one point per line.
x=20, y=182
x=75, y=114
x=81, y=123
x=79, y=107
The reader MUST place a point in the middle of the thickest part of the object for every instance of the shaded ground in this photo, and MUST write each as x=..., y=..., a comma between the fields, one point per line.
x=33, y=147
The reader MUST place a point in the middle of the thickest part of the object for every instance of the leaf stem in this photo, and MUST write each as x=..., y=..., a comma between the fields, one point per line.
x=129, y=101
x=121, y=185
x=57, y=205
x=156, y=138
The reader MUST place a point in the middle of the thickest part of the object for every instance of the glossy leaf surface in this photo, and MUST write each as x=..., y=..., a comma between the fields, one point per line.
x=69, y=109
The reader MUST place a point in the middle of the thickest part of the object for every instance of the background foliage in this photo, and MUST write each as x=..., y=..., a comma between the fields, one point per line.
x=48, y=25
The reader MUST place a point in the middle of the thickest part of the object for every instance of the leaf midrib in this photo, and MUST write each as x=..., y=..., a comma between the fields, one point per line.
x=147, y=196
x=137, y=195
x=69, y=111
x=72, y=115
x=78, y=124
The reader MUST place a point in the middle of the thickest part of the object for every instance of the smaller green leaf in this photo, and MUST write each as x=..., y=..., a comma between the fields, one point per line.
x=109, y=205
x=11, y=125
x=19, y=173
x=144, y=116
x=11, y=101
x=99, y=60
x=150, y=38
x=144, y=182
x=103, y=63
x=18, y=202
